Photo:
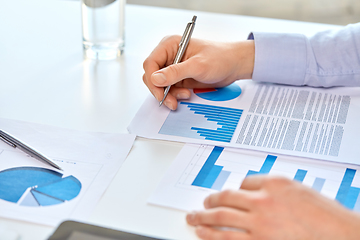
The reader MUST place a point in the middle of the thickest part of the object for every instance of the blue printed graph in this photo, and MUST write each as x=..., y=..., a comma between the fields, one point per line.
x=219, y=94
x=346, y=195
x=213, y=176
x=31, y=186
x=266, y=167
x=202, y=121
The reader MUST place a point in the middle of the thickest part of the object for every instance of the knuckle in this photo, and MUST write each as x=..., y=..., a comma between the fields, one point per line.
x=202, y=68
x=201, y=64
x=146, y=62
x=262, y=201
x=225, y=195
x=220, y=216
x=277, y=181
x=170, y=38
x=174, y=71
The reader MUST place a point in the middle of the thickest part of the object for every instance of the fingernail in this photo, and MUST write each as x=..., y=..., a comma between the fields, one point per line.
x=168, y=104
x=182, y=96
x=159, y=78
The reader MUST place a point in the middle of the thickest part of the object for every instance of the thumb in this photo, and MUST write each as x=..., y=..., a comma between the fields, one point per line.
x=173, y=74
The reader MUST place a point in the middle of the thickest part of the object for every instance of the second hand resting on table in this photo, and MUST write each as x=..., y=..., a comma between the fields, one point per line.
x=265, y=207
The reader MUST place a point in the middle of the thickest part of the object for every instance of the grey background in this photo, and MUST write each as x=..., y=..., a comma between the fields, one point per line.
x=324, y=11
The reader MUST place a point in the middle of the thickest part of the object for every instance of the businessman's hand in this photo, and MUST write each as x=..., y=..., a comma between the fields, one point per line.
x=274, y=208
x=205, y=64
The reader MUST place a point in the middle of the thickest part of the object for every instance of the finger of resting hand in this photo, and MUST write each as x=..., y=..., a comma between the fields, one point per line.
x=219, y=217
x=229, y=198
x=254, y=182
x=209, y=233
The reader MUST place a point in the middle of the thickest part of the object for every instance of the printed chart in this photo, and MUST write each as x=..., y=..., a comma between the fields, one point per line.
x=212, y=176
x=305, y=122
x=204, y=169
x=34, y=187
x=202, y=121
x=219, y=94
x=33, y=191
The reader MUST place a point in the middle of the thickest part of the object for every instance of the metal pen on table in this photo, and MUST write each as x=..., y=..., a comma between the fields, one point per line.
x=181, y=50
x=16, y=143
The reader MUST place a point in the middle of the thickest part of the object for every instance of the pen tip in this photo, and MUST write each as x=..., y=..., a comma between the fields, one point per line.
x=160, y=103
x=194, y=18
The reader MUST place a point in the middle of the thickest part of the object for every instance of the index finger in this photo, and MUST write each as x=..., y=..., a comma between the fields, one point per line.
x=240, y=199
x=253, y=182
x=160, y=57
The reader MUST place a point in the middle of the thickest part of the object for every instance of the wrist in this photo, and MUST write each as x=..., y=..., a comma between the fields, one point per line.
x=245, y=51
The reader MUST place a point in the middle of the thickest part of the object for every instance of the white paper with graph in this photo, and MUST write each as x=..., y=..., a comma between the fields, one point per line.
x=31, y=190
x=200, y=170
x=300, y=121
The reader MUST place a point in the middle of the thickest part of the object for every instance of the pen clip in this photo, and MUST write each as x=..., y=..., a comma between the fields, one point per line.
x=7, y=141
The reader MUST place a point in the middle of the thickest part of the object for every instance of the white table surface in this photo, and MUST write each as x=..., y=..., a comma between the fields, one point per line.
x=45, y=79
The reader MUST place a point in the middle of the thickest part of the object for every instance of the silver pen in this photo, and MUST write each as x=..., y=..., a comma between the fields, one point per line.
x=181, y=50
x=16, y=143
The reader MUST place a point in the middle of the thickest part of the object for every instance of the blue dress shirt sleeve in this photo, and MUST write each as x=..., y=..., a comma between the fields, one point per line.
x=329, y=58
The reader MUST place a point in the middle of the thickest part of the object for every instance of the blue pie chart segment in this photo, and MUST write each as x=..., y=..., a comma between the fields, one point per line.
x=219, y=94
x=32, y=186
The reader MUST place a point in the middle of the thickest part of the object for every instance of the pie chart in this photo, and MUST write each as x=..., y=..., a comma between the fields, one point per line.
x=219, y=94
x=36, y=187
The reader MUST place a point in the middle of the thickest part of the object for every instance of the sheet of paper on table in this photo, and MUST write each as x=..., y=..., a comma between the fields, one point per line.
x=33, y=191
x=307, y=122
x=200, y=170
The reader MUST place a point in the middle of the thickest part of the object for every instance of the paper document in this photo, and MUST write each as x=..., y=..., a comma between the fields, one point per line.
x=33, y=191
x=300, y=121
x=200, y=170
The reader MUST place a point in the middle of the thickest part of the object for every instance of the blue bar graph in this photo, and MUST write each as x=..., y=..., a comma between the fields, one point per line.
x=266, y=167
x=206, y=168
x=202, y=121
x=300, y=175
x=348, y=195
x=220, y=181
x=318, y=184
x=211, y=175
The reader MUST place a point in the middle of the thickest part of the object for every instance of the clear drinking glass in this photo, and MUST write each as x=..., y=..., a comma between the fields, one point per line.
x=103, y=28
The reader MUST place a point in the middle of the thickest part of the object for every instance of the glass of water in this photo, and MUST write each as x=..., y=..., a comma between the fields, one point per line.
x=103, y=28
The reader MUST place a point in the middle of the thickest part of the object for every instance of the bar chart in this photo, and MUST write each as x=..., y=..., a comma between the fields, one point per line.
x=211, y=175
x=202, y=121
x=347, y=194
x=216, y=174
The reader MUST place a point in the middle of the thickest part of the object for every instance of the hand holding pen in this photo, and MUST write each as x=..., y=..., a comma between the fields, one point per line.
x=181, y=50
x=205, y=64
